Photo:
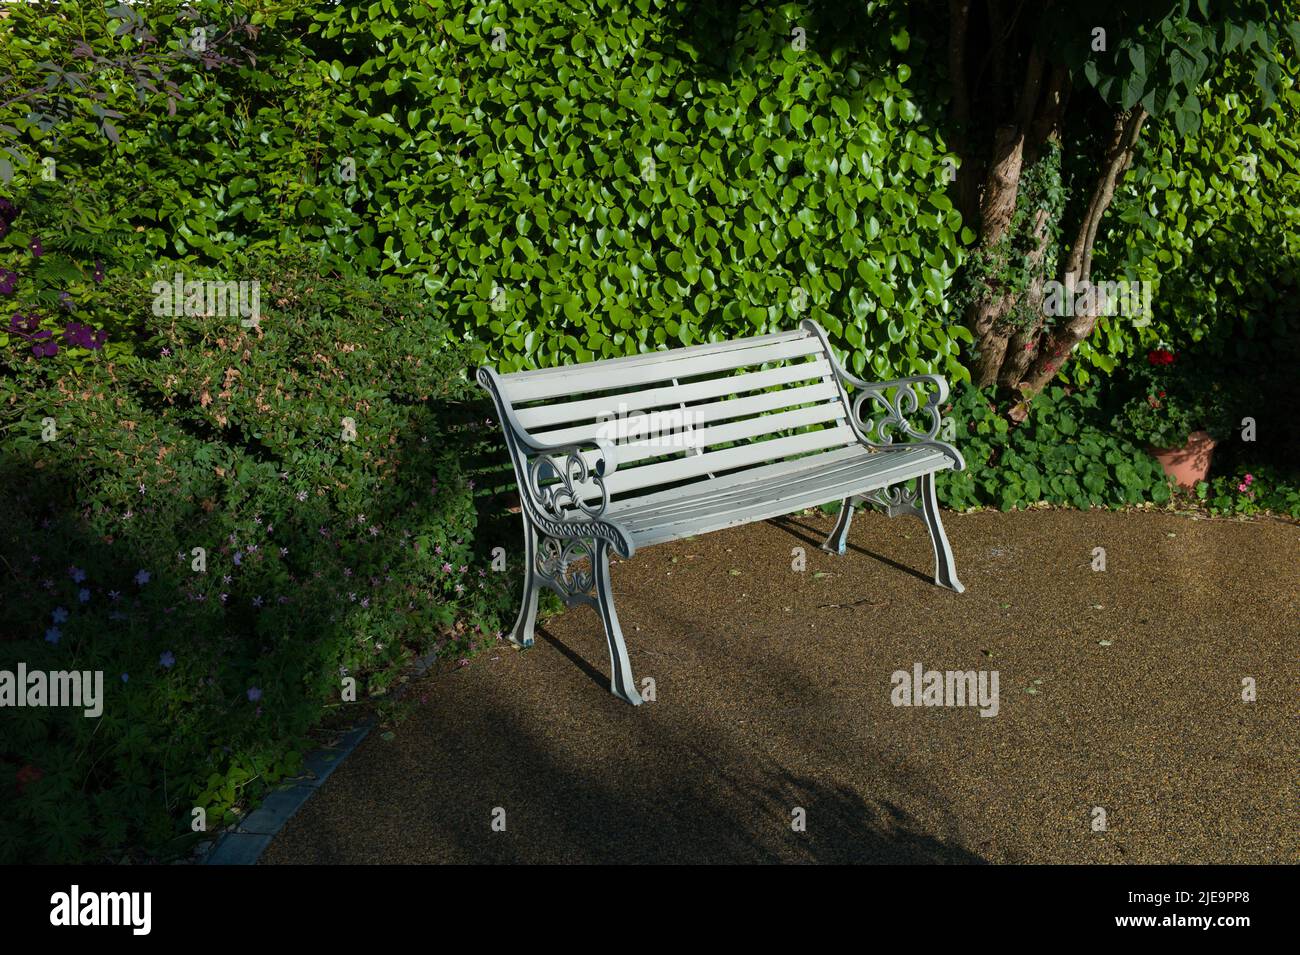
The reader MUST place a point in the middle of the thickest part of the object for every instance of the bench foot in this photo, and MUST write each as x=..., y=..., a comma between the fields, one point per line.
x=945, y=568
x=621, y=683
x=838, y=541
x=522, y=632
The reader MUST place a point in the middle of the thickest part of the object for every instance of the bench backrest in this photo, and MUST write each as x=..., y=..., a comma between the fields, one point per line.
x=684, y=414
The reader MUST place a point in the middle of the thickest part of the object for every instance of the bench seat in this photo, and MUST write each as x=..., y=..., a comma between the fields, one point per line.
x=759, y=494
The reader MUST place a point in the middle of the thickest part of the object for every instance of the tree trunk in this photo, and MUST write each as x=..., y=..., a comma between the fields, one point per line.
x=1064, y=337
x=986, y=318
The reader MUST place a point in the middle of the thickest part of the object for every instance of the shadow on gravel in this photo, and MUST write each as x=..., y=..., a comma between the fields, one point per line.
x=624, y=786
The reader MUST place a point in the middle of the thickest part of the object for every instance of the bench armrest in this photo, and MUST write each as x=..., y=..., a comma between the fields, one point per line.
x=900, y=419
x=552, y=478
x=903, y=419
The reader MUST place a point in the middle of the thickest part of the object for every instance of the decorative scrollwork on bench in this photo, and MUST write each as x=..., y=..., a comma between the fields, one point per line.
x=556, y=562
x=898, y=499
x=884, y=419
x=563, y=499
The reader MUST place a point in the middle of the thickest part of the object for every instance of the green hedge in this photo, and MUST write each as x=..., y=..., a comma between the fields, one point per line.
x=591, y=182
x=326, y=556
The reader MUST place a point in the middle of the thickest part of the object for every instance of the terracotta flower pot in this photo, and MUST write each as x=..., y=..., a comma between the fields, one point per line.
x=1190, y=463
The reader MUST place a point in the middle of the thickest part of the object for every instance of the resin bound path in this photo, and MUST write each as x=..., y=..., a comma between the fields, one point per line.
x=1119, y=690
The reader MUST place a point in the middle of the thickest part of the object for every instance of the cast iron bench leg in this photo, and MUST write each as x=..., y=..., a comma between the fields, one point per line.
x=945, y=568
x=522, y=634
x=838, y=541
x=621, y=683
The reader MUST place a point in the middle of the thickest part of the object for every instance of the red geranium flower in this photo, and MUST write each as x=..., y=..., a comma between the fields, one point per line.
x=1160, y=356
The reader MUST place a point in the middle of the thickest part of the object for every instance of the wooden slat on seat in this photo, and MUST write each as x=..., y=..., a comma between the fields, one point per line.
x=763, y=497
x=836, y=459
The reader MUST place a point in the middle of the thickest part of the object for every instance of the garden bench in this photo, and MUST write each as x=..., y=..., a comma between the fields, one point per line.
x=619, y=454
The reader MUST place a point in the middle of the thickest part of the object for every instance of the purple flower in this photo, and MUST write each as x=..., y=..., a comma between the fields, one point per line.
x=125, y=677
x=239, y=559
x=254, y=694
x=167, y=660
x=65, y=300
x=83, y=595
x=53, y=634
x=114, y=595
x=365, y=602
x=77, y=574
x=301, y=495
x=37, y=248
x=78, y=335
x=98, y=275
x=257, y=601
x=142, y=577
x=8, y=282
x=59, y=615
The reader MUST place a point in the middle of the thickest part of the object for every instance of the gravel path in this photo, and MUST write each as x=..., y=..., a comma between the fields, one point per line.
x=1119, y=689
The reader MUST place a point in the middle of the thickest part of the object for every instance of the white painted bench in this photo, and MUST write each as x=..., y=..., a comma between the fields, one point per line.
x=623, y=453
